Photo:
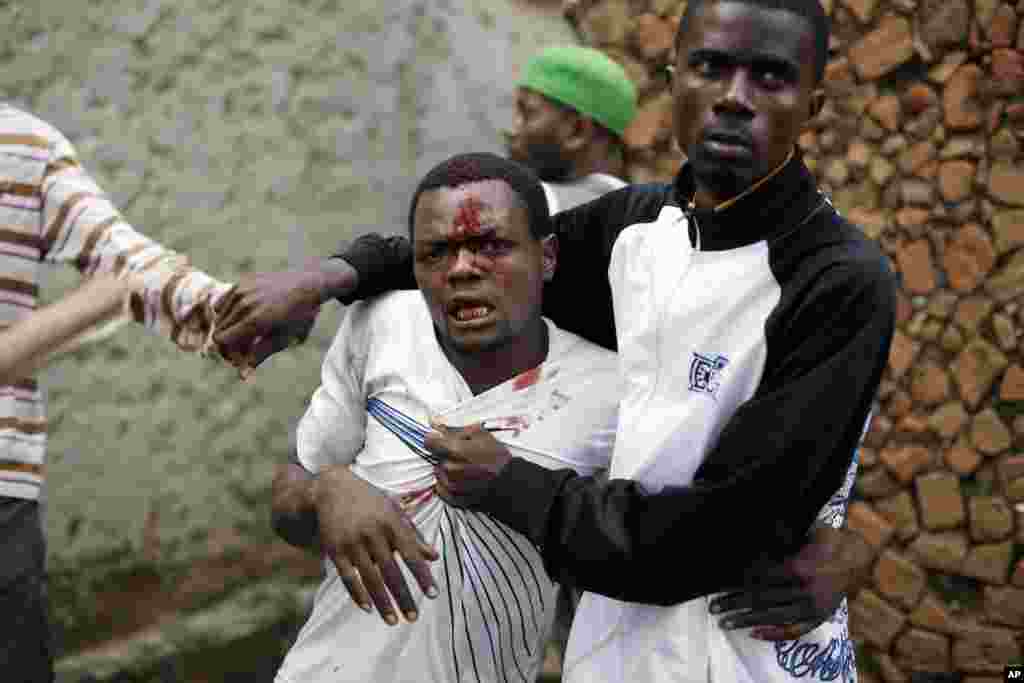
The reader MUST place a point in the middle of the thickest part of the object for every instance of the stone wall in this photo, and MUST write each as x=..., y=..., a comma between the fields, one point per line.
x=920, y=144
x=247, y=134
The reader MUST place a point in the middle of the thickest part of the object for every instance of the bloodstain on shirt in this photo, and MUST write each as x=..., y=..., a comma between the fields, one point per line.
x=412, y=500
x=511, y=423
x=526, y=379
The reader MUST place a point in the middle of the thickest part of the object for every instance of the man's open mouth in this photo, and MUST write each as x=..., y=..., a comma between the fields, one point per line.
x=467, y=310
x=464, y=314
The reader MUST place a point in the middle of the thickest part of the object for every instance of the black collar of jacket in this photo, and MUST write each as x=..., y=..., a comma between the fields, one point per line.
x=780, y=205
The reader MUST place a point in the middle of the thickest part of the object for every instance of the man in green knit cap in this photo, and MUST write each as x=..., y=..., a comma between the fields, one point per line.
x=573, y=105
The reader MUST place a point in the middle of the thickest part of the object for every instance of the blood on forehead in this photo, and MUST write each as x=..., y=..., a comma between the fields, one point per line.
x=467, y=218
x=477, y=208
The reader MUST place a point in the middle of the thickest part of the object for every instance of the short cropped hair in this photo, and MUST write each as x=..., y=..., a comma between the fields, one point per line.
x=464, y=169
x=810, y=10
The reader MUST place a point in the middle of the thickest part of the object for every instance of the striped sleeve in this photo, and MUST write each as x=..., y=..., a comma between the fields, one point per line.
x=82, y=227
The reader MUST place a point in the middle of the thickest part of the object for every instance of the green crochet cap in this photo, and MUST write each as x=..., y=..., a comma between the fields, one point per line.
x=586, y=80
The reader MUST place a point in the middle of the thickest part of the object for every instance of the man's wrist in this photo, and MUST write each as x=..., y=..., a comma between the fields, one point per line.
x=336, y=279
x=318, y=489
x=327, y=482
x=293, y=512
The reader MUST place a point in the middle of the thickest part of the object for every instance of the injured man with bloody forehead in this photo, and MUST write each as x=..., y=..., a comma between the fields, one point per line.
x=470, y=347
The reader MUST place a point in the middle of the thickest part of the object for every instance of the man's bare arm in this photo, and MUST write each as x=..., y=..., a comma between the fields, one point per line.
x=360, y=529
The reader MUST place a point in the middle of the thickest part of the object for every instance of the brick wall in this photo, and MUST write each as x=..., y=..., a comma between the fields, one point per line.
x=920, y=144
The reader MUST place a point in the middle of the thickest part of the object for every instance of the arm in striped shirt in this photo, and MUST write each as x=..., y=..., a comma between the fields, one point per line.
x=82, y=227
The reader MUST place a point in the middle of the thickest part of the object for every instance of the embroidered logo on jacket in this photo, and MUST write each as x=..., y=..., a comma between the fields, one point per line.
x=816, y=659
x=705, y=373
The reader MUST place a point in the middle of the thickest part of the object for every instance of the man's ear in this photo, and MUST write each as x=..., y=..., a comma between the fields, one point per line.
x=817, y=103
x=550, y=247
x=580, y=133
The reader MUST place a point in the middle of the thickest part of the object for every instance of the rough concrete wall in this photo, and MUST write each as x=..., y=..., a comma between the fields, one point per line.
x=246, y=133
x=921, y=146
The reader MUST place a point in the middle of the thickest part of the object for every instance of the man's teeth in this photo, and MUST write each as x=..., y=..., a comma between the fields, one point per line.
x=472, y=313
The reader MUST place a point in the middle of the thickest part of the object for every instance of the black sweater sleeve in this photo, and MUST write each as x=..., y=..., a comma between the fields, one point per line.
x=382, y=264
x=777, y=461
x=577, y=299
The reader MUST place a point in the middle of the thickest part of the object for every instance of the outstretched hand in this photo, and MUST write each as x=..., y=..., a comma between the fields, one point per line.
x=789, y=600
x=361, y=529
x=469, y=460
x=266, y=313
